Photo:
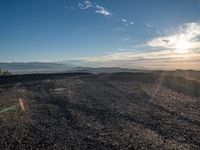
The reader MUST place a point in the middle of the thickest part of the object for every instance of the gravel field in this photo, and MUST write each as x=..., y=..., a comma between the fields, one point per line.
x=99, y=111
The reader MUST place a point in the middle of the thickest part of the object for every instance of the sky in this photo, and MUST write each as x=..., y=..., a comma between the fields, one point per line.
x=102, y=33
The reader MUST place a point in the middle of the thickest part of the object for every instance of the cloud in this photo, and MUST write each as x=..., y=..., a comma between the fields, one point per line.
x=135, y=56
x=149, y=25
x=120, y=29
x=158, y=32
x=165, y=59
x=164, y=52
x=126, y=21
x=103, y=11
x=179, y=50
x=70, y=7
x=127, y=40
x=123, y=20
x=187, y=38
x=85, y=5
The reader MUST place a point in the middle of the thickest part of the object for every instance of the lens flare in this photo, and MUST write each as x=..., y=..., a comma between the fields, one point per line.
x=15, y=107
x=157, y=84
x=21, y=102
x=9, y=108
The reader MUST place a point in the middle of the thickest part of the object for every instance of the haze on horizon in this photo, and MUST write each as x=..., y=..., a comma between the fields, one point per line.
x=124, y=33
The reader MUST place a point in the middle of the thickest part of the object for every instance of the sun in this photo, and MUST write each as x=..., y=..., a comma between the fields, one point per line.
x=182, y=46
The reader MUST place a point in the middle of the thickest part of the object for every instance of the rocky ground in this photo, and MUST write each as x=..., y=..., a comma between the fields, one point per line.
x=103, y=111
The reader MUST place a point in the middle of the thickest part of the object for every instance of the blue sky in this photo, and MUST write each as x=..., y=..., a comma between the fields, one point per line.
x=101, y=32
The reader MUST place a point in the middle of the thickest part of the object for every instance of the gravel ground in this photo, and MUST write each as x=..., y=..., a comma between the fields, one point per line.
x=104, y=111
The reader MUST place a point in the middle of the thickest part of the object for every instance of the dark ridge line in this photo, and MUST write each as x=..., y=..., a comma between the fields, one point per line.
x=37, y=77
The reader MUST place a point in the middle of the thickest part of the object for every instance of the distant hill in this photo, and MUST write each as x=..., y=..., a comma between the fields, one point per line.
x=34, y=67
x=37, y=67
x=106, y=70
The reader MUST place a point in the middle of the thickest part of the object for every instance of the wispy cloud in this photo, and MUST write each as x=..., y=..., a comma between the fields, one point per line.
x=103, y=11
x=153, y=60
x=127, y=40
x=135, y=56
x=165, y=56
x=187, y=37
x=149, y=25
x=158, y=32
x=70, y=7
x=86, y=4
x=119, y=29
x=124, y=20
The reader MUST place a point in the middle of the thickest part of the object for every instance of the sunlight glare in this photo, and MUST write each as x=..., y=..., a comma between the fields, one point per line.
x=182, y=46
